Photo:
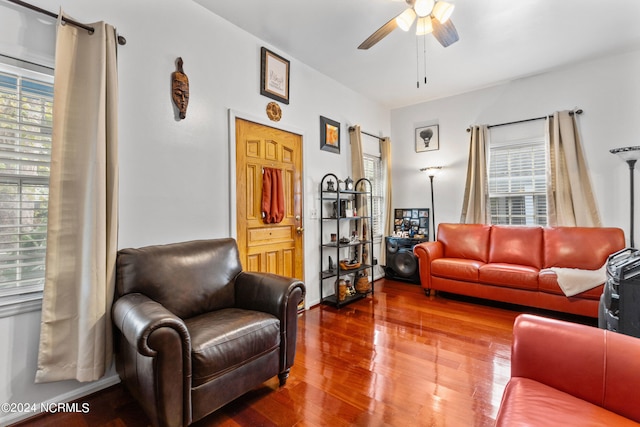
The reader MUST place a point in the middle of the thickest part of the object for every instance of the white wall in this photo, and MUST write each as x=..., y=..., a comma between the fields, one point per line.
x=174, y=175
x=607, y=89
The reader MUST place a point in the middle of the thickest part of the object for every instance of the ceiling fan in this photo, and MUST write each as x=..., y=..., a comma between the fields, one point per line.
x=433, y=17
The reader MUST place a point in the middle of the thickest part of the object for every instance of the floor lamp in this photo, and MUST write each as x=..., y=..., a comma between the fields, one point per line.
x=431, y=172
x=631, y=156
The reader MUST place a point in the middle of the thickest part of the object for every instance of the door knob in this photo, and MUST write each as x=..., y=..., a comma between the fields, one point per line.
x=299, y=230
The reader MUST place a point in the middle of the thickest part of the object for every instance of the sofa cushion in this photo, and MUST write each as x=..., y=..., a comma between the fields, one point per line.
x=509, y=275
x=516, y=245
x=456, y=268
x=469, y=241
x=580, y=247
x=225, y=339
x=528, y=402
x=548, y=283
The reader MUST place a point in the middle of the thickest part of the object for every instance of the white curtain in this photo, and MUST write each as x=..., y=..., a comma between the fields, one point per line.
x=357, y=171
x=570, y=197
x=385, y=156
x=75, y=337
x=474, y=206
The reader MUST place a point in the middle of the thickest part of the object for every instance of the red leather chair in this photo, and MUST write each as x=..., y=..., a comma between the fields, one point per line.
x=567, y=374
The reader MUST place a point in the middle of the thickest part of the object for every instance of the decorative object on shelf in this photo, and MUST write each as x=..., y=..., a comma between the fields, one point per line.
x=631, y=156
x=331, y=265
x=329, y=135
x=330, y=186
x=431, y=172
x=348, y=184
x=274, y=76
x=180, y=89
x=274, y=112
x=342, y=290
x=427, y=139
x=363, y=285
x=347, y=264
x=412, y=222
x=351, y=291
x=334, y=237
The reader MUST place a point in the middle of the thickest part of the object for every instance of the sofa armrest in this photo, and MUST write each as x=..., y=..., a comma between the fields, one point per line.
x=427, y=252
x=599, y=366
x=148, y=329
x=277, y=295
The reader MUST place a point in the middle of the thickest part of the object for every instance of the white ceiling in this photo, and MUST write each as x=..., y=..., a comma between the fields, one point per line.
x=500, y=40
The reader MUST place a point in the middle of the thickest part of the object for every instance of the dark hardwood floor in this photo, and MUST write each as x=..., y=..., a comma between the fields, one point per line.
x=396, y=359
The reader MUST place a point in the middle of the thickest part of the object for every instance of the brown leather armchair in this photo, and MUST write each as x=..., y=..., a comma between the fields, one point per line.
x=194, y=332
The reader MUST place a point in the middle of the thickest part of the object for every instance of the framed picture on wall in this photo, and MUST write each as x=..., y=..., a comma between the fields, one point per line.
x=329, y=135
x=427, y=139
x=274, y=76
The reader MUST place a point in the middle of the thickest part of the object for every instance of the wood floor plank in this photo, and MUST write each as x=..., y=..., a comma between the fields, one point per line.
x=398, y=358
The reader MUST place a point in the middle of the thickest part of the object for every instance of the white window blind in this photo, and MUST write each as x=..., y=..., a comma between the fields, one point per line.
x=25, y=150
x=518, y=175
x=373, y=172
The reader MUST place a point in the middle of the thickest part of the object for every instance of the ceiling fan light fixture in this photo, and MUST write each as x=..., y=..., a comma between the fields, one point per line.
x=423, y=7
x=442, y=11
x=405, y=19
x=424, y=26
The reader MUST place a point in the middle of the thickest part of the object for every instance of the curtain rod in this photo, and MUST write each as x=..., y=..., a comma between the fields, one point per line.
x=380, y=138
x=121, y=40
x=571, y=113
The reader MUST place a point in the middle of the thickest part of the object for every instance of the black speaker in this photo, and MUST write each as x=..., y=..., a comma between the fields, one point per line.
x=402, y=264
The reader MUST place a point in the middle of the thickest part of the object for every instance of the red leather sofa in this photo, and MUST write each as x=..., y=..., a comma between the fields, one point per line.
x=566, y=374
x=510, y=263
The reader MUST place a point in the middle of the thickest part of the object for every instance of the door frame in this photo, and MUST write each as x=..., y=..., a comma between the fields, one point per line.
x=233, y=115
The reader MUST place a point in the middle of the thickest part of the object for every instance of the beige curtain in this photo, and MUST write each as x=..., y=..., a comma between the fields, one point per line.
x=570, y=200
x=474, y=205
x=75, y=336
x=385, y=155
x=357, y=171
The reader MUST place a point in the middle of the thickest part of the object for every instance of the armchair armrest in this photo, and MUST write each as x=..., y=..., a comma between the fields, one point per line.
x=277, y=295
x=593, y=364
x=149, y=329
x=268, y=292
x=137, y=317
x=427, y=252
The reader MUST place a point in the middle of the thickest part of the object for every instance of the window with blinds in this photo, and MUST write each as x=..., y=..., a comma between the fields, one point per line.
x=25, y=150
x=373, y=172
x=518, y=174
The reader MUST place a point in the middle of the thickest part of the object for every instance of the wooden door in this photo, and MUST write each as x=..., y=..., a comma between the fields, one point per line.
x=272, y=248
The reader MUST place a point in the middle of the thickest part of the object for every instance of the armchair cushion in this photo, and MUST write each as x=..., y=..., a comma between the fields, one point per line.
x=226, y=339
x=187, y=278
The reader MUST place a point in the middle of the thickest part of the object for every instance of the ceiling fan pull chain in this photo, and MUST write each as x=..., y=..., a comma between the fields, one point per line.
x=417, y=64
x=424, y=44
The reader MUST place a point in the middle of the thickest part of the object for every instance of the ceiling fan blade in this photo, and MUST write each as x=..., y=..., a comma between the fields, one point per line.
x=381, y=33
x=445, y=33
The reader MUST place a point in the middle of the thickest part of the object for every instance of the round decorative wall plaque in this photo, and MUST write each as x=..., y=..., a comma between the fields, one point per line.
x=274, y=112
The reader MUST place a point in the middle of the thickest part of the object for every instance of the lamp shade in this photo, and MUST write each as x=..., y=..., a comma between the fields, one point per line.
x=405, y=19
x=423, y=7
x=432, y=170
x=627, y=153
x=442, y=11
x=424, y=26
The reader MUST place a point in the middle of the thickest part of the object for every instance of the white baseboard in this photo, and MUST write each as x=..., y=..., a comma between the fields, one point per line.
x=75, y=394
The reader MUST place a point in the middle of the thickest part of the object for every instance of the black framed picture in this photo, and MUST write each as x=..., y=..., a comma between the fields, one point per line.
x=274, y=76
x=427, y=139
x=329, y=135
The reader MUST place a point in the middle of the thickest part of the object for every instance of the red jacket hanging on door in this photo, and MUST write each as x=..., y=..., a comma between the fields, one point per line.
x=272, y=196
